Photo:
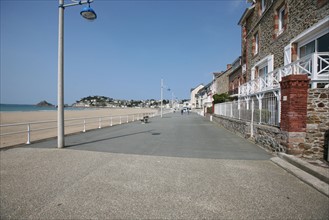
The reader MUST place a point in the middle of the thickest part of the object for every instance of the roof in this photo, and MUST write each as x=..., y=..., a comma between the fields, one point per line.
x=217, y=74
x=246, y=14
x=196, y=87
x=236, y=64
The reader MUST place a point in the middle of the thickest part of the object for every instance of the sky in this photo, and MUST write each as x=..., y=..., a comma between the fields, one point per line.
x=123, y=54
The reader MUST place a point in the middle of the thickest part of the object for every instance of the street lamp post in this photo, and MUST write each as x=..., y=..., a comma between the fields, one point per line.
x=89, y=14
x=163, y=86
x=161, y=95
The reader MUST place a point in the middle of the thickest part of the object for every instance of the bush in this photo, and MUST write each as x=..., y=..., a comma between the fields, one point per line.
x=220, y=98
x=210, y=110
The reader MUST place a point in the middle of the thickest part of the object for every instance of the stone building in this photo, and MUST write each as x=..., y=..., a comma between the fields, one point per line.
x=285, y=65
x=278, y=32
x=221, y=81
x=235, y=77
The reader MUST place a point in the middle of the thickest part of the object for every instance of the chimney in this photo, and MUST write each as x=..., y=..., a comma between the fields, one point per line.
x=228, y=66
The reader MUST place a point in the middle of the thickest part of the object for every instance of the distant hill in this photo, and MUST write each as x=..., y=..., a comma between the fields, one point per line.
x=45, y=104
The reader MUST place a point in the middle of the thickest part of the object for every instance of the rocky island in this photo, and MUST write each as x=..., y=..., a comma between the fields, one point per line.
x=45, y=104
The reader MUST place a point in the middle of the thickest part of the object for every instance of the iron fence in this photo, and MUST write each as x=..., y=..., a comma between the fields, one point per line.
x=261, y=109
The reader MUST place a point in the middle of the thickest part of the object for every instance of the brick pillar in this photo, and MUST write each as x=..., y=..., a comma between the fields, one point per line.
x=294, y=92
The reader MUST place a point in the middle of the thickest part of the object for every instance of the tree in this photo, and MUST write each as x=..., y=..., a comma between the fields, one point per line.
x=219, y=98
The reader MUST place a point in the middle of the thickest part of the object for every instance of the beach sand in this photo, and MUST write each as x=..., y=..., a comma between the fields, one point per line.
x=90, y=116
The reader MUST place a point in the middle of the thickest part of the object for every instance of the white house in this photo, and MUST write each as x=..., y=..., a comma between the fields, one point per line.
x=194, y=101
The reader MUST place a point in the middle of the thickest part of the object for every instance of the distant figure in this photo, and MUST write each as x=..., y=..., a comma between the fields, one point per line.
x=182, y=111
x=188, y=111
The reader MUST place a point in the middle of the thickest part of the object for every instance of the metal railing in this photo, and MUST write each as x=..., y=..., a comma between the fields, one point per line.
x=315, y=65
x=74, y=125
x=263, y=109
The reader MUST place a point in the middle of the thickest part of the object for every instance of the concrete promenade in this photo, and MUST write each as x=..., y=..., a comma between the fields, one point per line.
x=175, y=167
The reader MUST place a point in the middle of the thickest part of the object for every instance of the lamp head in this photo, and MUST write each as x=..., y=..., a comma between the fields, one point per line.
x=88, y=13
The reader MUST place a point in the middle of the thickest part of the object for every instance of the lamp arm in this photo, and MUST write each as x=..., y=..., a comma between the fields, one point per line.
x=75, y=2
x=79, y=1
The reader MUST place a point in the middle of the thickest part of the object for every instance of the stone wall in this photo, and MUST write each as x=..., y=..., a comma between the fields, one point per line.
x=317, y=125
x=271, y=138
x=312, y=143
x=241, y=128
x=268, y=137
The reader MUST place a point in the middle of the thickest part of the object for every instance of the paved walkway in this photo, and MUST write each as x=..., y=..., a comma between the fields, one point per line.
x=176, y=167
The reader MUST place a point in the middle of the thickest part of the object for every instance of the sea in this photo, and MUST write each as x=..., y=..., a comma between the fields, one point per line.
x=29, y=108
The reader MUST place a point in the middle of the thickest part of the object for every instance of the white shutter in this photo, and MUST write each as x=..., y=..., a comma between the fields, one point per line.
x=253, y=73
x=287, y=60
x=270, y=63
x=287, y=54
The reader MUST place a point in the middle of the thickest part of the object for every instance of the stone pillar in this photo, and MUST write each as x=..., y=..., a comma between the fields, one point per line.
x=294, y=90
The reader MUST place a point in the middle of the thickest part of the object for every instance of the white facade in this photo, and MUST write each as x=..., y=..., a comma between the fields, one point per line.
x=194, y=102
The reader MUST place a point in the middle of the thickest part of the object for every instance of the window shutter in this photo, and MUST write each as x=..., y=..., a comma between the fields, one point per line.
x=287, y=58
x=287, y=54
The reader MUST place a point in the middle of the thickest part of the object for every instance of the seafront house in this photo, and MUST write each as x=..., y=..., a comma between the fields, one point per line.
x=204, y=97
x=221, y=81
x=235, y=77
x=194, y=101
x=276, y=33
x=219, y=85
x=284, y=76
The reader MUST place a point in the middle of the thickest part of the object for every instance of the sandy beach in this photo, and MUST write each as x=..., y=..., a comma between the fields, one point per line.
x=75, y=121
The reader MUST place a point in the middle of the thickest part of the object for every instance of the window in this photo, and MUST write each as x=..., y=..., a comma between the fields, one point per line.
x=320, y=44
x=256, y=44
x=280, y=19
x=262, y=68
x=323, y=43
x=281, y=13
x=321, y=3
x=307, y=49
x=262, y=72
x=262, y=7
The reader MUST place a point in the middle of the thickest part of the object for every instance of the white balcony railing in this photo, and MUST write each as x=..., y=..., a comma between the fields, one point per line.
x=315, y=65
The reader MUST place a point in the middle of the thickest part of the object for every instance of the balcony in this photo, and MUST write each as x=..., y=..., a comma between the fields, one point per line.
x=315, y=65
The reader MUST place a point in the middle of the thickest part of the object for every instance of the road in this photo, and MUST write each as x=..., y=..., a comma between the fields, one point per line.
x=175, y=167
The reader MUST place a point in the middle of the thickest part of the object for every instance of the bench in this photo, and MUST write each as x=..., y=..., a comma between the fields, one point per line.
x=145, y=119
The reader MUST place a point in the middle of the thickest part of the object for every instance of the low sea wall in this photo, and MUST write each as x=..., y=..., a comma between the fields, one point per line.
x=269, y=137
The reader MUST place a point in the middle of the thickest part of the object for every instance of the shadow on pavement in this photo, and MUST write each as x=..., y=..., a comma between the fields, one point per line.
x=187, y=136
x=107, y=139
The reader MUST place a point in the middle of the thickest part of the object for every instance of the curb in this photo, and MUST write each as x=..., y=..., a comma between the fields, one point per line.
x=318, y=172
x=306, y=177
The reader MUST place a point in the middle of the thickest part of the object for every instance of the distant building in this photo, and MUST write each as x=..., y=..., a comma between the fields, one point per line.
x=221, y=81
x=235, y=77
x=194, y=101
x=204, y=96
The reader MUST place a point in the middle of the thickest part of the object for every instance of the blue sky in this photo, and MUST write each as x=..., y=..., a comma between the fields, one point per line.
x=123, y=54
